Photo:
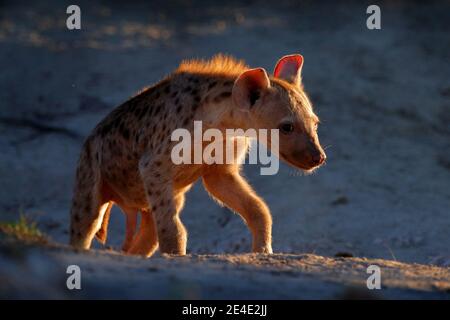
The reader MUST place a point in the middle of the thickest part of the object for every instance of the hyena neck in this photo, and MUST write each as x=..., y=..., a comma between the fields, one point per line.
x=218, y=110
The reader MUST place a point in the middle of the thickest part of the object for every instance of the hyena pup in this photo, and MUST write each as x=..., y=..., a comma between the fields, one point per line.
x=126, y=160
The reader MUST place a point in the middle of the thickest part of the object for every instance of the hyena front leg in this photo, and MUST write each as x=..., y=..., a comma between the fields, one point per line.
x=165, y=203
x=172, y=235
x=166, y=206
x=146, y=241
x=226, y=185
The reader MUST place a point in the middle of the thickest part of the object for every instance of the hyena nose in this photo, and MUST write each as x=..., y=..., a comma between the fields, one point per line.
x=319, y=158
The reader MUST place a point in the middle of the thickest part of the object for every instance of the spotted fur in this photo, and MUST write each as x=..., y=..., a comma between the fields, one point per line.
x=126, y=161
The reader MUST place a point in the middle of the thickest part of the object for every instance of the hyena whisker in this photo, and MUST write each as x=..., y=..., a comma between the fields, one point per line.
x=296, y=173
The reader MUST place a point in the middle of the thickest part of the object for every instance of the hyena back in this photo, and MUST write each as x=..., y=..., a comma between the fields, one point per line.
x=127, y=159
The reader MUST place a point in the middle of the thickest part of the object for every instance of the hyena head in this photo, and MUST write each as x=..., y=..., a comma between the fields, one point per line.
x=280, y=103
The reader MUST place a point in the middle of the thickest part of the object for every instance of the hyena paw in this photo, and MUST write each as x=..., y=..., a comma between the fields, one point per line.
x=266, y=249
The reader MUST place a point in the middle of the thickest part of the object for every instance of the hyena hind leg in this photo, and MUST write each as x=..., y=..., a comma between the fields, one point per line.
x=131, y=222
x=102, y=234
x=146, y=241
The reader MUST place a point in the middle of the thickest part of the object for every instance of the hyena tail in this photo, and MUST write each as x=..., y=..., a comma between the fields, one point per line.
x=88, y=205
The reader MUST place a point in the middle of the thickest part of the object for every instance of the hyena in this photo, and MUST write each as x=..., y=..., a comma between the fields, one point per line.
x=126, y=160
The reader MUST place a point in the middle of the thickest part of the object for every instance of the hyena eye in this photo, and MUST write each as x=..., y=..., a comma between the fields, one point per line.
x=286, y=127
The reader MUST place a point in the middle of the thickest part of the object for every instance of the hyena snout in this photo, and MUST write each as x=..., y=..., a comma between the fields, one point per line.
x=316, y=157
x=310, y=157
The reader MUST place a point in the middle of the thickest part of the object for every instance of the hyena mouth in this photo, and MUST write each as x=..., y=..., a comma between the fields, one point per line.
x=298, y=165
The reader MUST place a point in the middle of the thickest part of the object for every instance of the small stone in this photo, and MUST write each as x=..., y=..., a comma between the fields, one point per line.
x=342, y=200
x=343, y=254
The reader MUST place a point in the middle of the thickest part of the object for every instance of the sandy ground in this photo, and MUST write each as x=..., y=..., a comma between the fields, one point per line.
x=29, y=272
x=383, y=98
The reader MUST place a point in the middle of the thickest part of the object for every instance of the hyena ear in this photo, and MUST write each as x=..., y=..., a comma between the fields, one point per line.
x=249, y=86
x=289, y=68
